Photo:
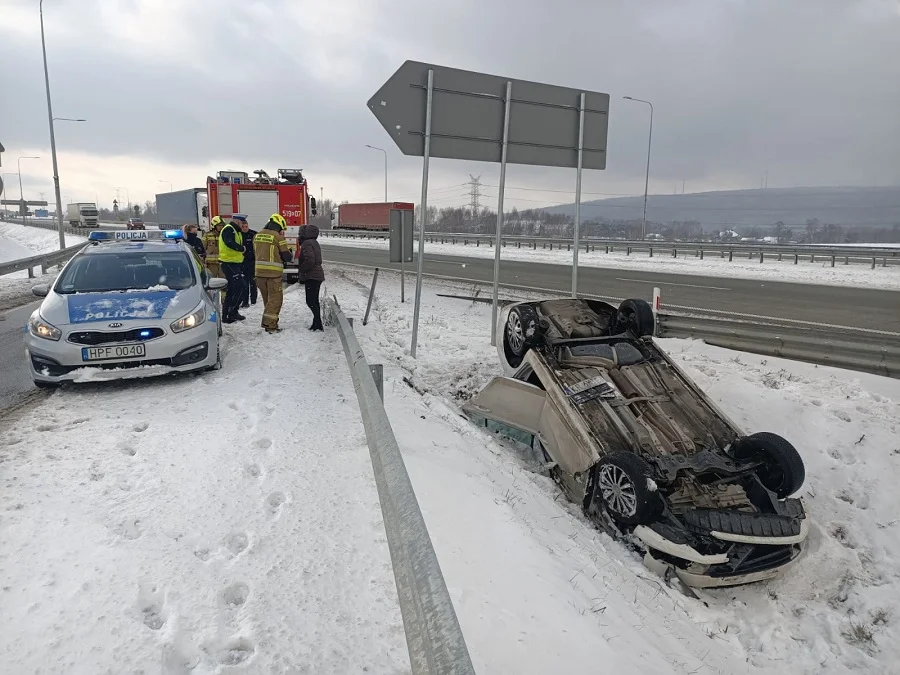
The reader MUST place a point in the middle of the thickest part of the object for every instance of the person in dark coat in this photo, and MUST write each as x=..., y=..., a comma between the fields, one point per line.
x=194, y=240
x=250, y=291
x=311, y=272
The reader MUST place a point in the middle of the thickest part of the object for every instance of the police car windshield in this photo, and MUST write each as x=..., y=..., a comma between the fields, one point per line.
x=127, y=271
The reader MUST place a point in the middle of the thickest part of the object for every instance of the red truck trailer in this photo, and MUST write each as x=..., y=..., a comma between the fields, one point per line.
x=375, y=216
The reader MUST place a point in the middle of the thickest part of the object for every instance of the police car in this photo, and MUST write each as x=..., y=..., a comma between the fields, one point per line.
x=130, y=304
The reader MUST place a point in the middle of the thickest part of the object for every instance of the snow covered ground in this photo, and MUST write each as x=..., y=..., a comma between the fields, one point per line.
x=820, y=272
x=229, y=522
x=834, y=613
x=17, y=242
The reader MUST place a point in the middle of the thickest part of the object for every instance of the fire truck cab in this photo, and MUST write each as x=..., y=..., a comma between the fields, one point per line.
x=259, y=197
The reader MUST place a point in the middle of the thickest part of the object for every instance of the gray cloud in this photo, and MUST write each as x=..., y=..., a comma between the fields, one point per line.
x=804, y=88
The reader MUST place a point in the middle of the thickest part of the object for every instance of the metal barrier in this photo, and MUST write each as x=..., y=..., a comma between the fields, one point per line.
x=43, y=261
x=433, y=635
x=839, y=346
x=874, y=255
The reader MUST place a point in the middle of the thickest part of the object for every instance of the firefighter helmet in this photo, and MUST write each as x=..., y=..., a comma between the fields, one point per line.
x=278, y=218
x=216, y=220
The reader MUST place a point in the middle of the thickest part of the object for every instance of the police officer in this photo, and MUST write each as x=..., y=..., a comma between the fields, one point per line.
x=249, y=266
x=272, y=253
x=211, y=245
x=231, y=259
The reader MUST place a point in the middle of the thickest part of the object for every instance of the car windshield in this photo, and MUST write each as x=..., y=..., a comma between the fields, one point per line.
x=126, y=271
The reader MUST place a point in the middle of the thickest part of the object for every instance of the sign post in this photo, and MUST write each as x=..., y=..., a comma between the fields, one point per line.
x=434, y=111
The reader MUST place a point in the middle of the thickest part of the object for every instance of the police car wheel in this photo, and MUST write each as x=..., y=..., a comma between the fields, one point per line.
x=218, y=363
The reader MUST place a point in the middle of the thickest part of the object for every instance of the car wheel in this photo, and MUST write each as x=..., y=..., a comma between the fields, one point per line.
x=636, y=316
x=519, y=334
x=783, y=471
x=623, y=485
x=218, y=364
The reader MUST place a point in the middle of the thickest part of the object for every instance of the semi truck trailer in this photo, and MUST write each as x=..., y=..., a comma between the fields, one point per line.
x=183, y=207
x=371, y=216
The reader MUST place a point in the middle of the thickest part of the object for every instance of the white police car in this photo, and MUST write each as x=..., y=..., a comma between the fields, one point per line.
x=130, y=304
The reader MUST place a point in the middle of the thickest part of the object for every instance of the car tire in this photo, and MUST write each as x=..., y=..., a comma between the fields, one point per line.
x=783, y=471
x=520, y=333
x=218, y=364
x=623, y=486
x=636, y=316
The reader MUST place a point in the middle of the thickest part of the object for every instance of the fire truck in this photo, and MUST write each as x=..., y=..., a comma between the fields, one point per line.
x=259, y=197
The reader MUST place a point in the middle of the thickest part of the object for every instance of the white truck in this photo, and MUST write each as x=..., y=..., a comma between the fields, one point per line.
x=83, y=214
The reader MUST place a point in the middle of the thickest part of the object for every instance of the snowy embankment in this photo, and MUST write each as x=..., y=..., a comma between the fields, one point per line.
x=229, y=523
x=524, y=563
x=17, y=242
x=820, y=272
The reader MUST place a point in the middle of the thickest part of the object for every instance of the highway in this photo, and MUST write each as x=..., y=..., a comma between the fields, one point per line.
x=846, y=306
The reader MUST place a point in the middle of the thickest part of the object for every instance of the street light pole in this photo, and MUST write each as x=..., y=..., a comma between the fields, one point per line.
x=647, y=176
x=59, y=217
x=372, y=147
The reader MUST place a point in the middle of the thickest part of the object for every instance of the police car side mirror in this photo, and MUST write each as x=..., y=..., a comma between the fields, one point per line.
x=216, y=284
x=41, y=290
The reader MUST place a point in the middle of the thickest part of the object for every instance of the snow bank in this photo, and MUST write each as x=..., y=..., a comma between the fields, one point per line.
x=34, y=239
x=223, y=522
x=17, y=242
x=522, y=563
x=820, y=272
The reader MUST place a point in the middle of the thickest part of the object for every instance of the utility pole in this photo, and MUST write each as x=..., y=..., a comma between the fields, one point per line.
x=474, y=196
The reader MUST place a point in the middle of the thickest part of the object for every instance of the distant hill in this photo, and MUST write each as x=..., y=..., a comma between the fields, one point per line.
x=847, y=206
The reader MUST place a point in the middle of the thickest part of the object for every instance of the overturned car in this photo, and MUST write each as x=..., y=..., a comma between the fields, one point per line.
x=633, y=440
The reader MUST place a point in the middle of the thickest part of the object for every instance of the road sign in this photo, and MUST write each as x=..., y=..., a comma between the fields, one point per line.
x=435, y=111
x=468, y=118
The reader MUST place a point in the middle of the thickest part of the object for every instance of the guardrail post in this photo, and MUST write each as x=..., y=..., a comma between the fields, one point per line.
x=651, y=251
x=607, y=248
x=832, y=260
x=701, y=253
x=796, y=258
x=518, y=244
x=812, y=257
x=884, y=262
x=873, y=263
x=761, y=254
x=372, y=295
x=31, y=273
x=568, y=247
x=551, y=245
x=779, y=256
x=674, y=252
x=847, y=260
x=627, y=250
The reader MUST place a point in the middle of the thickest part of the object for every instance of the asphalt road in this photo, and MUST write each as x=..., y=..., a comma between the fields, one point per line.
x=14, y=378
x=845, y=306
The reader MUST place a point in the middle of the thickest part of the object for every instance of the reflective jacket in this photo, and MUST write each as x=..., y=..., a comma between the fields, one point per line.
x=231, y=244
x=271, y=250
x=211, y=244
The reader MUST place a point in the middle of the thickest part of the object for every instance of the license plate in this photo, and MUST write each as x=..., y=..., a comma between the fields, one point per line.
x=113, y=352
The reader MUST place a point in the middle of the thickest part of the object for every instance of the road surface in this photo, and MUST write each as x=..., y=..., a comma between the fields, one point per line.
x=14, y=378
x=840, y=305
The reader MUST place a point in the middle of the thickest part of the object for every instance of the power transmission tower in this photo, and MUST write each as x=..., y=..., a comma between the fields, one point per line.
x=474, y=196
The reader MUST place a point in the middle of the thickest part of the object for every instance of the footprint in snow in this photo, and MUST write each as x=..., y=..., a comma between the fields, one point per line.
x=236, y=652
x=274, y=503
x=253, y=470
x=141, y=427
x=127, y=449
x=129, y=529
x=263, y=443
x=236, y=594
x=237, y=543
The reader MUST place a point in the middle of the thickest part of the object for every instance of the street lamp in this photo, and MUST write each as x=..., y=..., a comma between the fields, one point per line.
x=372, y=147
x=69, y=119
x=647, y=177
x=166, y=181
x=59, y=216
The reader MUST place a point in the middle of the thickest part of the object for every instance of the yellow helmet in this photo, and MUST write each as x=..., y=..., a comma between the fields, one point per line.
x=278, y=218
x=216, y=220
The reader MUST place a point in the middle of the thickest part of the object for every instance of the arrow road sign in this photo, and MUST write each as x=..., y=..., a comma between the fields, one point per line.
x=468, y=118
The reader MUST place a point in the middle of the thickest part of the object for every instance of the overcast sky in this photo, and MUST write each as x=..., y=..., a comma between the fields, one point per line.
x=175, y=90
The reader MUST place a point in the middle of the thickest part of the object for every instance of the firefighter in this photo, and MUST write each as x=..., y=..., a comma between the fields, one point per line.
x=231, y=259
x=272, y=253
x=211, y=244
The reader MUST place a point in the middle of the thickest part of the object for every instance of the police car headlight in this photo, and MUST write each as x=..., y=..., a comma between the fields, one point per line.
x=40, y=328
x=191, y=320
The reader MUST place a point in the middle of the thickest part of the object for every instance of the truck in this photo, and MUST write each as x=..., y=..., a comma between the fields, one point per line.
x=374, y=216
x=83, y=214
x=183, y=207
x=259, y=197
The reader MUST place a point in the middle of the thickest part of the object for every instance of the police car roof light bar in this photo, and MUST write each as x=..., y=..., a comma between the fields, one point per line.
x=131, y=235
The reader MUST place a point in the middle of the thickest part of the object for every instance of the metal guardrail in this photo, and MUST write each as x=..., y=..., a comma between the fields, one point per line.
x=874, y=255
x=43, y=261
x=863, y=350
x=433, y=635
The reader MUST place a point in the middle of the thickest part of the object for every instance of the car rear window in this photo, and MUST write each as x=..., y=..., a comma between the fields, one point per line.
x=125, y=271
x=623, y=353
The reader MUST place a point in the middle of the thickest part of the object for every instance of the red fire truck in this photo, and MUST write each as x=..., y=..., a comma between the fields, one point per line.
x=258, y=198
